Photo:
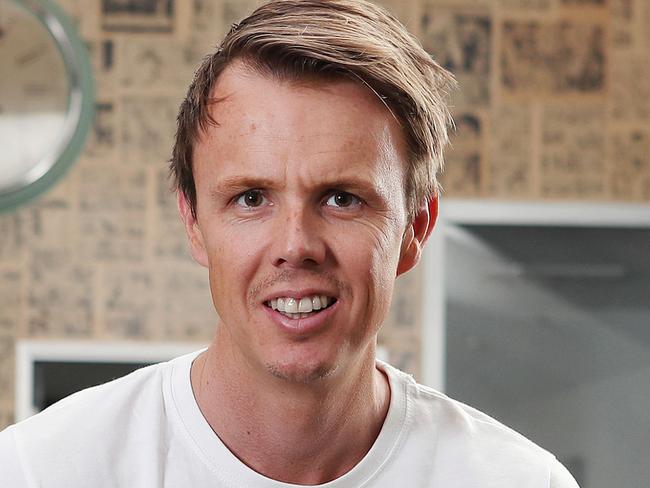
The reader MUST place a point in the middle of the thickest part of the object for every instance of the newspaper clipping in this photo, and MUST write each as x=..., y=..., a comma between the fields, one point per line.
x=7, y=374
x=60, y=298
x=185, y=287
x=148, y=125
x=102, y=137
x=630, y=164
x=573, y=152
x=11, y=300
x=128, y=302
x=169, y=237
x=460, y=41
x=630, y=93
x=564, y=57
x=510, y=153
x=112, y=210
x=137, y=16
x=623, y=24
x=524, y=5
x=464, y=166
x=164, y=66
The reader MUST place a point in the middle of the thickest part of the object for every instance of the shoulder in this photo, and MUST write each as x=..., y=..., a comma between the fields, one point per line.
x=11, y=470
x=428, y=406
x=464, y=423
x=561, y=478
x=107, y=434
x=466, y=439
x=102, y=403
x=88, y=424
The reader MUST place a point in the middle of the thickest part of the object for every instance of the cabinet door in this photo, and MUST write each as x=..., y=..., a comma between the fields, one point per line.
x=548, y=330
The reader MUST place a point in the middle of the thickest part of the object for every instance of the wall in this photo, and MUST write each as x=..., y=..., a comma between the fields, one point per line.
x=554, y=104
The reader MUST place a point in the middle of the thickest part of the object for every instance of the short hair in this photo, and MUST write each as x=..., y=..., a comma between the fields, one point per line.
x=299, y=40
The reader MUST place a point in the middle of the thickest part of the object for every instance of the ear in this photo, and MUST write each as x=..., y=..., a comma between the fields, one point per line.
x=194, y=234
x=417, y=234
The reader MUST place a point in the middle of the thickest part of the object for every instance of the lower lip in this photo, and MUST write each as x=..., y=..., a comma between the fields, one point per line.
x=302, y=326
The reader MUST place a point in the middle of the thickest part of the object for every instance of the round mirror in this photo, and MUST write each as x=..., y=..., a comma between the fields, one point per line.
x=46, y=98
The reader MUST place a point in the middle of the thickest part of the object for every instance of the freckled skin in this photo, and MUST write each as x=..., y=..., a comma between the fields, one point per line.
x=297, y=138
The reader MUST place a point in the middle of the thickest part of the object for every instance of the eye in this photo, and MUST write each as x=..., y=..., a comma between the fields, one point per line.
x=251, y=199
x=342, y=199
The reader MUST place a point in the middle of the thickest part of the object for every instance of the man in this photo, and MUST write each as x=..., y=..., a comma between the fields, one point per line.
x=305, y=163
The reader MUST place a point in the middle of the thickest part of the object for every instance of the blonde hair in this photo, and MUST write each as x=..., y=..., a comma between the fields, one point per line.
x=331, y=39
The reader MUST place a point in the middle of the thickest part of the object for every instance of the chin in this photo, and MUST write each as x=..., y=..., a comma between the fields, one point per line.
x=301, y=372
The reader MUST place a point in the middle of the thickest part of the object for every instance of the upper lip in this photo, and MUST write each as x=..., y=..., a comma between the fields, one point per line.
x=298, y=294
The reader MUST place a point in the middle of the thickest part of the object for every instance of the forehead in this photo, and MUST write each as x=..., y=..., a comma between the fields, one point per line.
x=263, y=120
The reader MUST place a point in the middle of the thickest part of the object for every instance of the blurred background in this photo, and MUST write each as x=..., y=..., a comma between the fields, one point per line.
x=533, y=303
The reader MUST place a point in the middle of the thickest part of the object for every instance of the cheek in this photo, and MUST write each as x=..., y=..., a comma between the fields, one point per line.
x=232, y=263
x=232, y=247
x=383, y=270
x=386, y=251
x=374, y=267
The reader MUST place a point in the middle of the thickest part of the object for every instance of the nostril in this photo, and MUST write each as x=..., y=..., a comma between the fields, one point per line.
x=304, y=262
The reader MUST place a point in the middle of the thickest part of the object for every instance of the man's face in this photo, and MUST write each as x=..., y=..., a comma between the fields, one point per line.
x=300, y=217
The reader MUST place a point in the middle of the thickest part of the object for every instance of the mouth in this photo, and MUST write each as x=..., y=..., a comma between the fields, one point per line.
x=300, y=308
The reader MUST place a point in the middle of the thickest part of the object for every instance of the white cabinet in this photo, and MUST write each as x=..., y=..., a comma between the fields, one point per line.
x=539, y=314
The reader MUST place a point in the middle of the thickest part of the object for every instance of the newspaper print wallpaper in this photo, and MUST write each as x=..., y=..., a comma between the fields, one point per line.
x=554, y=103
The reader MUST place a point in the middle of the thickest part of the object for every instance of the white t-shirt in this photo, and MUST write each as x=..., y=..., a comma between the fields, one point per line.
x=146, y=430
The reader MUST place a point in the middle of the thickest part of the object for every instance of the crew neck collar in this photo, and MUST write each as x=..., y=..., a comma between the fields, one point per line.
x=218, y=458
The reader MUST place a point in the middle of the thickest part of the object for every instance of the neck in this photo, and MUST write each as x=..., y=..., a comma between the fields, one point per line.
x=295, y=433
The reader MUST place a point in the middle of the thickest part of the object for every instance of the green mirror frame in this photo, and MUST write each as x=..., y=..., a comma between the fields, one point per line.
x=81, y=103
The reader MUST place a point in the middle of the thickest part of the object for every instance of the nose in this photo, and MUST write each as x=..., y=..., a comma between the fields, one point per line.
x=300, y=241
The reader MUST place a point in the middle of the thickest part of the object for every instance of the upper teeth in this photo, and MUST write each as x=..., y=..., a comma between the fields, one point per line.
x=303, y=305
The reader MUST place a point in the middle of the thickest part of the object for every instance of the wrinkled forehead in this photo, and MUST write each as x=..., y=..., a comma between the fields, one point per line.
x=257, y=108
x=242, y=78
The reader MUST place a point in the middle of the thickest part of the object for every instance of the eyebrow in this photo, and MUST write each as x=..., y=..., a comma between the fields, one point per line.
x=239, y=183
